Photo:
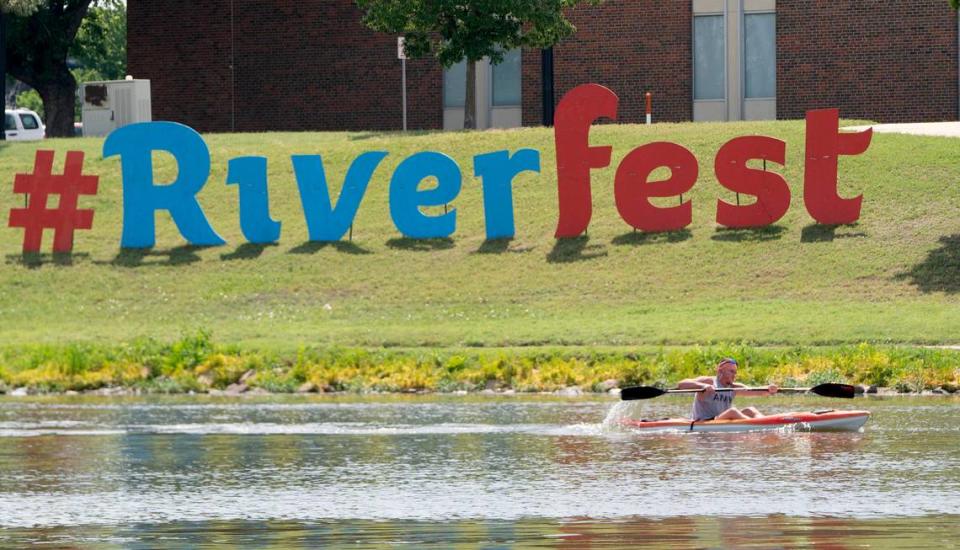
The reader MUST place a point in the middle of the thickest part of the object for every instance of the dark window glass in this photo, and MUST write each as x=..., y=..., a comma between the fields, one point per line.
x=760, y=55
x=506, y=80
x=455, y=85
x=708, y=64
x=29, y=122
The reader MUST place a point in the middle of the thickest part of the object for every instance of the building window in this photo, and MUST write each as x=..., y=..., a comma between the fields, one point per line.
x=455, y=85
x=708, y=63
x=506, y=80
x=760, y=55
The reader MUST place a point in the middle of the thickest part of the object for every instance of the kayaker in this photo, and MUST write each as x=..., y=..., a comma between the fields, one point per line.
x=718, y=405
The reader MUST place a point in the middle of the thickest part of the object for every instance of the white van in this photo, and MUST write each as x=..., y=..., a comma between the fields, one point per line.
x=23, y=125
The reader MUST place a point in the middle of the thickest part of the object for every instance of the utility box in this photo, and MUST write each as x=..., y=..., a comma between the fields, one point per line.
x=110, y=104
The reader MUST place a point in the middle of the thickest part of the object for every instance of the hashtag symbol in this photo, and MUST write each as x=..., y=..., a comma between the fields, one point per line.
x=65, y=218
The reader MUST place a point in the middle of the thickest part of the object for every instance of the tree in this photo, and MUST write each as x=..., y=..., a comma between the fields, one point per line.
x=453, y=30
x=16, y=7
x=955, y=4
x=37, y=47
x=100, y=48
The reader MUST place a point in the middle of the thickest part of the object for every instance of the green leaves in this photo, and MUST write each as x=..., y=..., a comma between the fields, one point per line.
x=454, y=30
x=20, y=7
x=101, y=43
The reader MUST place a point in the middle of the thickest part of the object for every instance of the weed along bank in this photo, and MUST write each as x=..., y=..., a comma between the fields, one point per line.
x=432, y=178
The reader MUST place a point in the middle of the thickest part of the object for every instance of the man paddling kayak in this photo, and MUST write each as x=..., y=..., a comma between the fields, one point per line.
x=712, y=404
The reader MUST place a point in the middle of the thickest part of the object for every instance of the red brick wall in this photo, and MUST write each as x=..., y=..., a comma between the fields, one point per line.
x=889, y=61
x=299, y=65
x=311, y=64
x=184, y=49
x=629, y=46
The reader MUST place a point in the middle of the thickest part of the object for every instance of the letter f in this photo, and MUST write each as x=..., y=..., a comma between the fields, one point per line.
x=575, y=113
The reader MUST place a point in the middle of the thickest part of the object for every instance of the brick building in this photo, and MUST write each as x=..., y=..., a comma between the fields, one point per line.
x=255, y=65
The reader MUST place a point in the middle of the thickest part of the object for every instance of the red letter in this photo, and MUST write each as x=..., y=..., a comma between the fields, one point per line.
x=824, y=145
x=632, y=187
x=575, y=113
x=773, y=194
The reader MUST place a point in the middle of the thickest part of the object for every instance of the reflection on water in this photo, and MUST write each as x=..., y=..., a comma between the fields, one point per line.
x=680, y=533
x=483, y=472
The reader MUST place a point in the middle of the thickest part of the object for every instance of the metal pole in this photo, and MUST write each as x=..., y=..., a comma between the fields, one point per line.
x=403, y=62
x=649, y=97
x=547, y=92
x=3, y=67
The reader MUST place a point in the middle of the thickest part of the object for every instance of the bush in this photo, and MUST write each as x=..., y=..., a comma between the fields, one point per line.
x=196, y=363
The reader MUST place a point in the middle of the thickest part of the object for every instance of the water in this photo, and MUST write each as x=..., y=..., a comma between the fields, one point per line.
x=477, y=471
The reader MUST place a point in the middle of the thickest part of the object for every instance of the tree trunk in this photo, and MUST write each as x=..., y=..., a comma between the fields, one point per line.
x=470, y=103
x=59, y=103
x=3, y=68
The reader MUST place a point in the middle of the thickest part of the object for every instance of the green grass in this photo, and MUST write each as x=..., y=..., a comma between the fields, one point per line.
x=891, y=279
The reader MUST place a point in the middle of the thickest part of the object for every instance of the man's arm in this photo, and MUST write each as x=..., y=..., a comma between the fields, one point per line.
x=699, y=383
x=770, y=390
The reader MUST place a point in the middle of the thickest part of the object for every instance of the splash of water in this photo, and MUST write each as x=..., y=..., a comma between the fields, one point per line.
x=621, y=410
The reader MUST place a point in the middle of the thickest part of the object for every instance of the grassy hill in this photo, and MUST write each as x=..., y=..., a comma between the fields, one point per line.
x=892, y=278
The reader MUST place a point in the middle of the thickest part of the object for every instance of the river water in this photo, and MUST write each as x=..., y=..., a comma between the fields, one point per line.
x=467, y=472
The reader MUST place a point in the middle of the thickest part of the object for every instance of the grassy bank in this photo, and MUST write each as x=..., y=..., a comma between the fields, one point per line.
x=891, y=279
x=195, y=363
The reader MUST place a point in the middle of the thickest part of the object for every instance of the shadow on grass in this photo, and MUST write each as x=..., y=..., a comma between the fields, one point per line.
x=637, y=238
x=360, y=136
x=940, y=271
x=500, y=246
x=748, y=234
x=420, y=245
x=137, y=257
x=575, y=249
x=36, y=260
x=247, y=251
x=312, y=247
x=819, y=233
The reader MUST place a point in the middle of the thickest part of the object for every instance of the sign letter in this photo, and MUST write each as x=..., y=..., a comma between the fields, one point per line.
x=771, y=190
x=324, y=222
x=496, y=172
x=632, y=188
x=825, y=144
x=135, y=144
x=575, y=113
x=406, y=199
x=250, y=175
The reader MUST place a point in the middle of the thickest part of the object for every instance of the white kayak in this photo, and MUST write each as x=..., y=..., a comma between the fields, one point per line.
x=816, y=421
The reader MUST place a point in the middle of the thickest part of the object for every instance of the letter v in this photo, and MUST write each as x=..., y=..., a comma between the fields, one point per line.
x=324, y=222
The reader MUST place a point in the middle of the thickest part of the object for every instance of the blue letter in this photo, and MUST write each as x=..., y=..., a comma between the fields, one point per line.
x=325, y=223
x=496, y=172
x=250, y=174
x=406, y=200
x=141, y=198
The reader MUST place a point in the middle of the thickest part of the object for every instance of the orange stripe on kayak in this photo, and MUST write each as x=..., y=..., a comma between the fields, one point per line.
x=775, y=419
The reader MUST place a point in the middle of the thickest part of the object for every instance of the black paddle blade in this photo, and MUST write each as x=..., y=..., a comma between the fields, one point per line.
x=844, y=391
x=640, y=392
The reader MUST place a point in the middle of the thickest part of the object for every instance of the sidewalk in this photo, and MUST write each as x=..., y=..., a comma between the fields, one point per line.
x=946, y=129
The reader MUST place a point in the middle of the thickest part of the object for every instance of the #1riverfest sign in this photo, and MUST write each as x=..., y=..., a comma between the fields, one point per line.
x=329, y=221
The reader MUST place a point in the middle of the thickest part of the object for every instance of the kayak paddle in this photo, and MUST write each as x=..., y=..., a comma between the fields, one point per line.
x=845, y=391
